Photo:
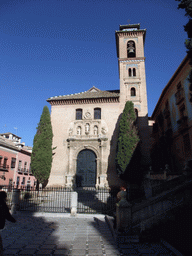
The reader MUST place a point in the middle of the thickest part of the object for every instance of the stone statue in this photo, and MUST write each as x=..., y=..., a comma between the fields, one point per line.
x=70, y=131
x=87, y=128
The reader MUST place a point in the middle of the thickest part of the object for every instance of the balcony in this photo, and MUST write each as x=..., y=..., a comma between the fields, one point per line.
x=4, y=167
x=20, y=170
x=26, y=171
x=182, y=123
x=179, y=96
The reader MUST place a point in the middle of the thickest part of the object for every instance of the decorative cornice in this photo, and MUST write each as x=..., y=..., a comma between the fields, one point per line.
x=84, y=101
x=132, y=82
x=125, y=60
x=130, y=33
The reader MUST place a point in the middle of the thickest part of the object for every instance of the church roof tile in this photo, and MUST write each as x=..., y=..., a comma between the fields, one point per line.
x=90, y=94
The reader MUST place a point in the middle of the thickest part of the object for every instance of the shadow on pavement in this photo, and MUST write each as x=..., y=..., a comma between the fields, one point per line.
x=31, y=235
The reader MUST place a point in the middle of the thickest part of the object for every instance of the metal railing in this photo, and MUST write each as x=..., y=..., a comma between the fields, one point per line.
x=92, y=200
x=4, y=166
x=58, y=199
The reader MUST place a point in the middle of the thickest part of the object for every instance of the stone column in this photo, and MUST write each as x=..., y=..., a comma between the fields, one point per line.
x=74, y=198
x=15, y=200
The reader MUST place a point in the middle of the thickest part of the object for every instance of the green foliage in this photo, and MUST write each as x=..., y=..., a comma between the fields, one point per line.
x=127, y=138
x=41, y=158
x=187, y=6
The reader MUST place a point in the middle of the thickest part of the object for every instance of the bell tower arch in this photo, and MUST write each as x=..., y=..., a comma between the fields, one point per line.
x=130, y=52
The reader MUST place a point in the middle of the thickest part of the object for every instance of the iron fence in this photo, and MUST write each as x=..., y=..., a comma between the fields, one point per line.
x=92, y=200
x=58, y=199
x=51, y=199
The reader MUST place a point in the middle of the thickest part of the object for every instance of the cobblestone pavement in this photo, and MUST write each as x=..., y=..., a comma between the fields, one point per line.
x=65, y=235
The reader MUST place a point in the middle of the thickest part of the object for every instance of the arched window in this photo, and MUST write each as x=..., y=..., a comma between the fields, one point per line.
x=79, y=114
x=134, y=72
x=133, y=91
x=131, y=50
x=97, y=113
x=79, y=130
x=129, y=71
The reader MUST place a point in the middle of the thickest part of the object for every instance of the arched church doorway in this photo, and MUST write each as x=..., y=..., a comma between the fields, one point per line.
x=86, y=168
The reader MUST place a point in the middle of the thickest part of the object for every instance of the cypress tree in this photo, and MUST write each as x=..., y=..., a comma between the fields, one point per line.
x=127, y=138
x=41, y=158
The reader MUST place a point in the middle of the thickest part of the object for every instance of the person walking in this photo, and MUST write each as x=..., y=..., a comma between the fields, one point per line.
x=4, y=214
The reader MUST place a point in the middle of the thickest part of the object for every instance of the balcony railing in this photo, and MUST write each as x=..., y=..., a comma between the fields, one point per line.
x=20, y=170
x=4, y=167
x=26, y=171
x=179, y=96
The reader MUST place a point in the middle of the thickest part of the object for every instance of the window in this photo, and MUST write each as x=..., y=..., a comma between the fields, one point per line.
x=182, y=111
x=134, y=72
x=5, y=162
x=79, y=114
x=133, y=91
x=179, y=86
x=129, y=71
x=25, y=166
x=18, y=178
x=97, y=113
x=131, y=53
x=187, y=145
x=10, y=182
x=19, y=166
x=0, y=159
x=179, y=95
x=13, y=162
x=23, y=182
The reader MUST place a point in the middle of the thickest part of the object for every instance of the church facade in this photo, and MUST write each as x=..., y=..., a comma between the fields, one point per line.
x=85, y=125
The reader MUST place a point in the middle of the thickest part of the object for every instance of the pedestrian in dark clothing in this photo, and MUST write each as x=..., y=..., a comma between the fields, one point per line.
x=4, y=214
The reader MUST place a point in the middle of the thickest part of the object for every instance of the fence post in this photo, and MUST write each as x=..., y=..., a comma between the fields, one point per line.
x=124, y=213
x=15, y=200
x=74, y=199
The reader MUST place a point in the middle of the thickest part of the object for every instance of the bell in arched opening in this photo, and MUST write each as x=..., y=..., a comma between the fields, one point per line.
x=131, y=49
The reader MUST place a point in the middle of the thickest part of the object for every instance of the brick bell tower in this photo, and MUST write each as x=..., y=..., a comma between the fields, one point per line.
x=130, y=52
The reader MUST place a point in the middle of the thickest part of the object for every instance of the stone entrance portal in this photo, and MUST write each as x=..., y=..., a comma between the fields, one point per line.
x=86, y=169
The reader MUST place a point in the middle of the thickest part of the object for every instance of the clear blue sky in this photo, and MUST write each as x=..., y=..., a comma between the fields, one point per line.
x=58, y=47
